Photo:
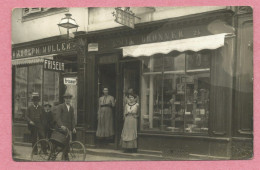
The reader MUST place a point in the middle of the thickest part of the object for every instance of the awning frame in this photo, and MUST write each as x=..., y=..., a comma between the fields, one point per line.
x=31, y=60
x=196, y=44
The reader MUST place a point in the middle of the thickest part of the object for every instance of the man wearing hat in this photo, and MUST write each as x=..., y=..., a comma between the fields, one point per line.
x=65, y=120
x=34, y=119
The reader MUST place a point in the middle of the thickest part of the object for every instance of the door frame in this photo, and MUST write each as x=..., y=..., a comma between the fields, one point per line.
x=118, y=55
x=121, y=64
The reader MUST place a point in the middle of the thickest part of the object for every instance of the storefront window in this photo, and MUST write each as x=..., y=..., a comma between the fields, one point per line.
x=20, y=92
x=175, y=93
x=34, y=81
x=151, y=101
x=29, y=79
x=197, y=103
x=51, y=87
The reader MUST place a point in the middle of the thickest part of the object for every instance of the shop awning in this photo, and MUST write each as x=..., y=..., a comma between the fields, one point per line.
x=210, y=42
x=31, y=60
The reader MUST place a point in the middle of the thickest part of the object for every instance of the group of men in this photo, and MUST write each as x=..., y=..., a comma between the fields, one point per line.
x=43, y=120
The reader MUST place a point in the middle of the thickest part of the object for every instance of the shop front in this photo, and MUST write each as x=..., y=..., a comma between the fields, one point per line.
x=48, y=67
x=183, y=71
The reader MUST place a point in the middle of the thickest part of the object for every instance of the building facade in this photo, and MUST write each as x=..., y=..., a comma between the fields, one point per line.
x=192, y=68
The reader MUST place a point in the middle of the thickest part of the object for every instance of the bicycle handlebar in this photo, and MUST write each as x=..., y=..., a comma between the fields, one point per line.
x=67, y=131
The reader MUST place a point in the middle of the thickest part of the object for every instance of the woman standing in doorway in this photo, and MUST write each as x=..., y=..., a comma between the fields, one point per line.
x=130, y=92
x=129, y=133
x=105, y=127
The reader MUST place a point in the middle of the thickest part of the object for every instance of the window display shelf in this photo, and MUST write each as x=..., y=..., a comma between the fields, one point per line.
x=198, y=70
x=152, y=73
x=175, y=72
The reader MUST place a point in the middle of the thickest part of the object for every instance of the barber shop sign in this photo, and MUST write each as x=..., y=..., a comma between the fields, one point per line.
x=53, y=65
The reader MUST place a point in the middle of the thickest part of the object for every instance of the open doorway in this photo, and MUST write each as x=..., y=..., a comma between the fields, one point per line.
x=107, y=79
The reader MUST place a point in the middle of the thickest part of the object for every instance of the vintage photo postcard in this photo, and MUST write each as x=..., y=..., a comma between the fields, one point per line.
x=132, y=83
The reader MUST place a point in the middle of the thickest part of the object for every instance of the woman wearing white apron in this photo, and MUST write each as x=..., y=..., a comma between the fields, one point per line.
x=129, y=133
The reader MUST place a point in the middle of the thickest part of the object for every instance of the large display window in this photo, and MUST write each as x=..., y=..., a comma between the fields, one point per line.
x=175, y=92
x=29, y=79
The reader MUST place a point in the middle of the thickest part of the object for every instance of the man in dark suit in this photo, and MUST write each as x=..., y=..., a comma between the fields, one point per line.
x=34, y=118
x=65, y=120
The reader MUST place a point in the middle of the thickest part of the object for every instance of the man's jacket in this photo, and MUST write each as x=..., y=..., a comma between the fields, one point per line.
x=34, y=114
x=65, y=117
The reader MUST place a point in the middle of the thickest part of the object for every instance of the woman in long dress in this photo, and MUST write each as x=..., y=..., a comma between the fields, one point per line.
x=129, y=132
x=105, y=115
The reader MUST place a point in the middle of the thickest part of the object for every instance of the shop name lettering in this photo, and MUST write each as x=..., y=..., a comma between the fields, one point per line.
x=48, y=49
x=153, y=37
x=53, y=65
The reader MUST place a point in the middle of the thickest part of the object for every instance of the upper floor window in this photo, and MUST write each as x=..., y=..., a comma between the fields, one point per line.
x=33, y=13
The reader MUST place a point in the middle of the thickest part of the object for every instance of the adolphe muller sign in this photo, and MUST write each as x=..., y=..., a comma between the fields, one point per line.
x=51, y=48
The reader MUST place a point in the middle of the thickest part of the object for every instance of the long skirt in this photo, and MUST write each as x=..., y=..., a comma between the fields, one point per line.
x=105, y=122
x=129, y=133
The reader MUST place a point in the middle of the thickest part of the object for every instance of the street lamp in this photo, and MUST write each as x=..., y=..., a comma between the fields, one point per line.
x=68, y=25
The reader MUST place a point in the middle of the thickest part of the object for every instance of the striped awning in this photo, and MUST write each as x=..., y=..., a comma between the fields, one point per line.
x=190, y=44
x=31, y=60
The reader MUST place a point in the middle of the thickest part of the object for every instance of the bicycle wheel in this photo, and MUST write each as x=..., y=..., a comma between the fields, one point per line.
x=41, y=150
x=77, y=151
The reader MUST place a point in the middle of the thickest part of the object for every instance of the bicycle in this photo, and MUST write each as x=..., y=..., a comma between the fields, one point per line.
x=50, y=149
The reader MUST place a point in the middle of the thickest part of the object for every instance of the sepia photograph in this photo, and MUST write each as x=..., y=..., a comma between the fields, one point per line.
x=132, y=83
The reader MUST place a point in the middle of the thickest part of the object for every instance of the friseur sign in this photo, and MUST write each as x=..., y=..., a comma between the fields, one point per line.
x=51, y=48
x=53, y=65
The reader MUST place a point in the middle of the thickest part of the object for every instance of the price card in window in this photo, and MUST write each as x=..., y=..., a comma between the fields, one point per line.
x=70, y=81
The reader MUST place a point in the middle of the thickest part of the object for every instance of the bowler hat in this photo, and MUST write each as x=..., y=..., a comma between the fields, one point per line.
x=47, y=104
x=67, y=95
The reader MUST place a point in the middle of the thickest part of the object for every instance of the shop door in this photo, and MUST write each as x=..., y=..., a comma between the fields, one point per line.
x=130, y=79
x=108, y=76
x=131, y=76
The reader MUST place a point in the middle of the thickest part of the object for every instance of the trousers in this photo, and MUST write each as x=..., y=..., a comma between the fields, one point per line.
x=36, y=131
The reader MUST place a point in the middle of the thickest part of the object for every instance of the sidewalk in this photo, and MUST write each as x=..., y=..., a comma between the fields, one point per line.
x=23, y=153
